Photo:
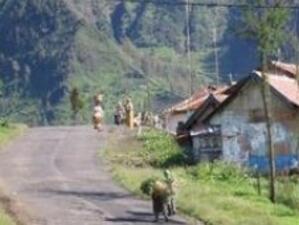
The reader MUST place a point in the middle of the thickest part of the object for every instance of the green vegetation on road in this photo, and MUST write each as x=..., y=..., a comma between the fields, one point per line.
x=218, y=195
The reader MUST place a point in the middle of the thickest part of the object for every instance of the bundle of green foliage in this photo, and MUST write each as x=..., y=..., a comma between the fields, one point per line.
x=155, y=186
x=147, y=185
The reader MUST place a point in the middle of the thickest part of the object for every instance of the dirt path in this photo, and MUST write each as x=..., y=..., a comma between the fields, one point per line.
x=56, y=174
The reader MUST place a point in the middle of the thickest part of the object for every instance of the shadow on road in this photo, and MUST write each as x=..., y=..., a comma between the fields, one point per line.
x=141, y=217
x=101, y=196
x=132, y=220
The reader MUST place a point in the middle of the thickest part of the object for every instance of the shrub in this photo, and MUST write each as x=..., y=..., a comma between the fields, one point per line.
x=288, y=194
x=4, y=123
x=160, y=149
x=218, y=171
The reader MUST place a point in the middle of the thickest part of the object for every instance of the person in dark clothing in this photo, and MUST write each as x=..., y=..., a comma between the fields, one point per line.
x=119, y=114
x=159, y=206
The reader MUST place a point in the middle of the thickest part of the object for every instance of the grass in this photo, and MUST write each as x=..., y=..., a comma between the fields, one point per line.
x=219, y=195
x=10, y=131
x=7, y=133
x=5, y=220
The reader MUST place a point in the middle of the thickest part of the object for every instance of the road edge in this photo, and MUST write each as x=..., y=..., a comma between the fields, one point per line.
x=10, y=206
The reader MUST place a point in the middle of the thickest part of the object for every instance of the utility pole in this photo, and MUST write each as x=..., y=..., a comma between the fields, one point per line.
x=215, y=40
x=231, y=79
x=296, y=46
x=148, y=93
x=266, y=98
x=297, y=58
x=188, y=45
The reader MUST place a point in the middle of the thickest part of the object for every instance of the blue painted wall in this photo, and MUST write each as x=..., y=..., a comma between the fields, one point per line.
x=261, y=163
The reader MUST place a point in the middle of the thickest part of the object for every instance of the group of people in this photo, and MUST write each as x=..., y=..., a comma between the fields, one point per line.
x=125, y=114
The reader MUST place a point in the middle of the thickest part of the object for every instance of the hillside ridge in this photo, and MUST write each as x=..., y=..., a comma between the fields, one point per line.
x=114, y=47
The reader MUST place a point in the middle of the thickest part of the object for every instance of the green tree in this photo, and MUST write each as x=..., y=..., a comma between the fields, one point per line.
x=266, y=26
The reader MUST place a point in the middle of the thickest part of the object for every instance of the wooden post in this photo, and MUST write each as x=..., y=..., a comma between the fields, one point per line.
x=268, y=117
x=258, y=182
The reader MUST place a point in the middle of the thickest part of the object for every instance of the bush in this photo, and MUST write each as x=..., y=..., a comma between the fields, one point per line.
x=4, y=123
x=161, y=150
x=288, y=194
x=218, y=171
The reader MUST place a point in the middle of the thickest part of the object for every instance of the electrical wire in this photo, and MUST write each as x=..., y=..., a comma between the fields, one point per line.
x=212, y=5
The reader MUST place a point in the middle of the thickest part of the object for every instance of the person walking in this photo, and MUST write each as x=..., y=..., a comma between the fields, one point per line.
x=159, y=199
x=119, y=114
x=169, y=180
x=129, y=108
x=98, y=112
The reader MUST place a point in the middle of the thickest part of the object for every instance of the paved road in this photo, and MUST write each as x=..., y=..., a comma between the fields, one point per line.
x=56, y=174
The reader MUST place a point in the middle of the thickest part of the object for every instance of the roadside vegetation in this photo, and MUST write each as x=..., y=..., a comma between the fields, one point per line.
x=5, y=220
x=218, y=194
x=7, y=132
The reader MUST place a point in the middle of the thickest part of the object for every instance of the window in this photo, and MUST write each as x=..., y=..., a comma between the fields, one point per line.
x=256, y=115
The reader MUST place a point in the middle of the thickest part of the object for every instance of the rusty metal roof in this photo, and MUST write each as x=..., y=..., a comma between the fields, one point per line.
x=198, y=98
x=285, y=86
x=220, y=97
x=284, y=68
x=281, y=77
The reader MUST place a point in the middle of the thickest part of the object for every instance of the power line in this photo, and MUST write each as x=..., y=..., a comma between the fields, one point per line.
x=211, y=5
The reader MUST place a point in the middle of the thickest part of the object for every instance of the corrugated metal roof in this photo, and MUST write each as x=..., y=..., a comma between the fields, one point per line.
x=290, y=69
x=209, y=104
x=287, y=87
x=196, y=100
x=220, y=97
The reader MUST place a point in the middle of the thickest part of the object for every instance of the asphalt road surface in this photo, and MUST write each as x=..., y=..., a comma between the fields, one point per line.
x=56, y=174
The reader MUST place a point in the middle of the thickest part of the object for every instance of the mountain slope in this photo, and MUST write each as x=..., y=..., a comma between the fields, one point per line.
x=114, y=47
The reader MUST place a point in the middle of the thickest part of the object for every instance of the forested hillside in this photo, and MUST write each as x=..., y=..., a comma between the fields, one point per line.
x=48, y=47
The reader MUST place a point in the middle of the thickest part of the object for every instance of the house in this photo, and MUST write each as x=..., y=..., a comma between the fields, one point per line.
x=180, y=112
x=235, y=129
x=210, y=136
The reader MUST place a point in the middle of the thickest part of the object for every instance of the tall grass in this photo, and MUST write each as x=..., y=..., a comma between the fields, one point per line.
x=5, y=220
x=7, y=132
